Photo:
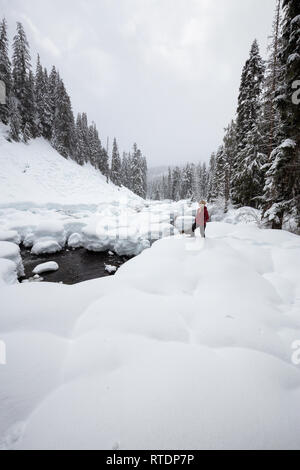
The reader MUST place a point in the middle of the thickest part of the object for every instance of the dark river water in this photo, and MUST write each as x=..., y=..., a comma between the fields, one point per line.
x=74, y=265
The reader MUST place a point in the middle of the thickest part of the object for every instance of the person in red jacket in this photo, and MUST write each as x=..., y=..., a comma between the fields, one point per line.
x=202, y=218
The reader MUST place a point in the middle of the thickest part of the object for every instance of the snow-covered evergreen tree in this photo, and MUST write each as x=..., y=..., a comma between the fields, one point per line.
x=63, y=135
x=145, y=178
x=104, y=163
x=203, y=188
x=53, y=81
x=14, y=120
x=170, y=184
x=219, y=174
x=187, y=186
x=249, y=108
x=176, y=184
x=20, y=73
x=116, y=164
x=80, y=147
x=282, y=187
x=271, y=119
x=43, y=102
x=137, y=172
x=125, y=171
x=211, y=194
x=5, y=71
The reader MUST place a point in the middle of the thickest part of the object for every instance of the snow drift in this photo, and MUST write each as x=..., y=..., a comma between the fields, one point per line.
x=189, y=346
x=34, y=174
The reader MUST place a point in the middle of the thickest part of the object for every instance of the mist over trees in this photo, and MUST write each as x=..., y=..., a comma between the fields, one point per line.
x=38, y=105
x=258, y=162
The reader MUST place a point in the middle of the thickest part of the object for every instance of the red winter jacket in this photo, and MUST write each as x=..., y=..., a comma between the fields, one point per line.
x=202, y=216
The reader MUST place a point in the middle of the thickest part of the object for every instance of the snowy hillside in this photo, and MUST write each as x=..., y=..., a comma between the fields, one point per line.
x=192, y=345
x=49, y=201
x=35, y=174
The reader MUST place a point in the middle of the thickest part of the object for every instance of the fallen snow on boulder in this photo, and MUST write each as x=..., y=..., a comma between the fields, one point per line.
x=45, y=246
x=11, y=251
x=8, y=272
x=75, y=241
x=46, y=237
x=123, y=240
x=110, y=269
x=51, y=266
x=10, y=236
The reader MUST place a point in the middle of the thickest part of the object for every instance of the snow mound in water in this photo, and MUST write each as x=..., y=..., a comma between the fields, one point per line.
x=46, y=267
x=122, y=240
x=194, y=338
x=11, y=251
x=8, y=272
x=10, y=236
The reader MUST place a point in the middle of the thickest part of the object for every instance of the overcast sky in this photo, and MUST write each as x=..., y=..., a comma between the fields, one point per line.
x=163, y=73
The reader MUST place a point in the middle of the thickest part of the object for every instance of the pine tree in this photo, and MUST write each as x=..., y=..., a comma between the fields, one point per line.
x=52, y=85
x=211, y=194
x=94, y=145
x=63, y=136
x=204, y=182
x=5, y=71
x=31, y=107
x=43, y=103
x=125, y=171
x=219, y=174
x=145, y=177
x=137, y=172
x=116, y=164
x=282, y=188
x=271, y=115
x=20, y=74
x=80, y=148
x=187, y=182
x=104, y=163
x=248, y=112
x=39, y=97
x=176, y=184
x=170, y=184
x=26, y=133
x=14, y=120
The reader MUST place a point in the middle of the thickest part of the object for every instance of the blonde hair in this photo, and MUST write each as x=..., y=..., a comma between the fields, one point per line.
x=203, y=202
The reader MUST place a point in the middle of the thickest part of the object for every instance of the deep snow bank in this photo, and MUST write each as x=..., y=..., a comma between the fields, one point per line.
x=34, y=174
x=189, y=346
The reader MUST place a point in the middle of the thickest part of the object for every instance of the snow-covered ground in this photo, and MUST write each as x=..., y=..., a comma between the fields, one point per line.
x=188, y=346
x=47, y=202
x=192, y=344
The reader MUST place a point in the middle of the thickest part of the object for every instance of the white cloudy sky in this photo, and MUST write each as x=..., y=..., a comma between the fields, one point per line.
x=164, y=73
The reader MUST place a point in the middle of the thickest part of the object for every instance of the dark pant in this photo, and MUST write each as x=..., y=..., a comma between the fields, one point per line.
x=202, y=229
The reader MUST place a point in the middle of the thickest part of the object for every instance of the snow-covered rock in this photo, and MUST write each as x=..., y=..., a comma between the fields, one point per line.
x=8, y=272
x=122, y=240
x=45, y=246
x=46, y=237
x=110, y=269
x=75, y=241
x=10, y=236
x=46, y=267
x=11, y=251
